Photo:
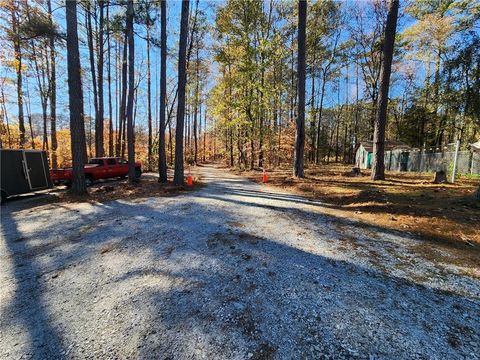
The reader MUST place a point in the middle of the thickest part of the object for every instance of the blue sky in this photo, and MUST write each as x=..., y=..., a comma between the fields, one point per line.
x=174, y=9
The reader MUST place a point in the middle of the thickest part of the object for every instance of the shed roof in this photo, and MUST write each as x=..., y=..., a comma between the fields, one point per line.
x=389, y=145
x=475, y=146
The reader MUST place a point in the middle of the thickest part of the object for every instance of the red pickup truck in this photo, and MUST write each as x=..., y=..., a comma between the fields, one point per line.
x=96, y=169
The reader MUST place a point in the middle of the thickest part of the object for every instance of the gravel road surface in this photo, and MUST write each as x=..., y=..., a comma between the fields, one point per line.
x=235, y=270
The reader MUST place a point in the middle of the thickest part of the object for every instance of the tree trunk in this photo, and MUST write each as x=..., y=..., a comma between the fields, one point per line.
x=118, y=84
x=149, y=98
x=109, y=80
x=29, y=117
x=162, y=157
x=99, y=150
x=182, y=80
x=4, y=106
x=123, y=100
x=53, y=93
x=313, y=116
x=91, y=52
x=205, y=135
x=18, y=70
x=75, y=96
x=378, y=166
x=195, y=115
x=43, y=91
x=131, y=92
x=300, y=123
x=320, y=113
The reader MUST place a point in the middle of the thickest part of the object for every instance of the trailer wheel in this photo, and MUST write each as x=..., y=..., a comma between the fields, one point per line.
x=3, y=198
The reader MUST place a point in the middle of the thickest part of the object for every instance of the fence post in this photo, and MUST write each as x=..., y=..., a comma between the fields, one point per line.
x=457, y=146
x=471, y=162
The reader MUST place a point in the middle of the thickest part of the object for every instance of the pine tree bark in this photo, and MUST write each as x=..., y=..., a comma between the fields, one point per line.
x=99, y=149
x=378, y=166
x=149, y=99
x=182, y=80
x=18, y=71
x=205, y=135
x=109, y=80
x=53, y=93
x=300, y=122
x=75, y=97
x=195, y=115
x=91, y=52
x=131, y=92
x=162, y=157
x=123, y=100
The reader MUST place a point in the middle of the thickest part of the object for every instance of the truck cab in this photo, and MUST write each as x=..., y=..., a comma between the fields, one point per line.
x=97, y=169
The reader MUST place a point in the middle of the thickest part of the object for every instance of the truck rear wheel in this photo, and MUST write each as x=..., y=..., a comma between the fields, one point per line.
x=138, y=173
x=88, y=181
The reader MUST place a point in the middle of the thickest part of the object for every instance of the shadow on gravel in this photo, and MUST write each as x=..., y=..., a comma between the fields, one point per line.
x=255, y=296
x=471, y=251
x=28, y=301
x=229, y=293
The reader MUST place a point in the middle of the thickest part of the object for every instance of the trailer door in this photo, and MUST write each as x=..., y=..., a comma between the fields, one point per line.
x=13, y=172
x=36, y=170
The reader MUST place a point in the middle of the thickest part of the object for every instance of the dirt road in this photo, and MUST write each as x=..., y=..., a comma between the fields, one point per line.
x=232, y=271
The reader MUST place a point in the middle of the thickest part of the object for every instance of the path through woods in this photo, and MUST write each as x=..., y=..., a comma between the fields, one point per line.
x=234, y=270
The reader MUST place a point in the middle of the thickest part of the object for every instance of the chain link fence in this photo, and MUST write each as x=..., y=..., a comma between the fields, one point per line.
x=400, y=160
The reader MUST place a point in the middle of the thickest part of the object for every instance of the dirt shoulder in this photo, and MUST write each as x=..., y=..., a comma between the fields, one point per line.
x=114, y=189
x=408, y=202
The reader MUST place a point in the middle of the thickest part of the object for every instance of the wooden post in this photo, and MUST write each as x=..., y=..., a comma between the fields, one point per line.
x=457, y=146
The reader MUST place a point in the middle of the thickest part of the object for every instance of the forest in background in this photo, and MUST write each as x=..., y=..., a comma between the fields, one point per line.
x=241, y=89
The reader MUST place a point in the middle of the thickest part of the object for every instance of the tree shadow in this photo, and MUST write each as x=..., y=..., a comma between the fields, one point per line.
x=201, y=282
x=255, y=295
x=284, y=198
x=27, y=310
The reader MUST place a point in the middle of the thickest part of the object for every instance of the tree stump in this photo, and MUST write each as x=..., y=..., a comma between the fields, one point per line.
x=356, y=171
x=440, y=177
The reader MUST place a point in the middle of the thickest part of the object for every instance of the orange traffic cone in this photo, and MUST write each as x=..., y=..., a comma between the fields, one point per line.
x=189, y=177
x=264, y=177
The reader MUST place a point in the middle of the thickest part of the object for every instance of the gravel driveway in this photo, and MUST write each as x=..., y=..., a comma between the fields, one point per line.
x=234, y=270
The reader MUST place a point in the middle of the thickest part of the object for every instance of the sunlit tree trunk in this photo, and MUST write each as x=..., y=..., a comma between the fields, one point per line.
x=18, y=71
x=123, y=100
x=99, y=148
x=378, y=166
x=75, y=96
x=162, y=157
x=300, y=121
x=131, y=92
x=149, y=98
x=91, y=52
x=5, y=114
x=195, y=115
x=182, y=79
x=320, y=114
x=109, y=80
x=53, y=92
x=29, y=116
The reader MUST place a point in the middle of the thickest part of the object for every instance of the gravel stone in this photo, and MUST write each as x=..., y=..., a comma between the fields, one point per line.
x=234, y=270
